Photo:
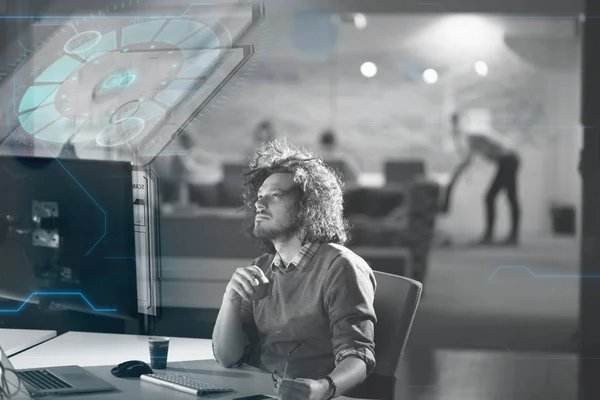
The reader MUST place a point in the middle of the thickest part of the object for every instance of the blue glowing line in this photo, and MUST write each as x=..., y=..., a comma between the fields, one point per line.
x=95, y=202
x=24, y=48
x=86, y=192
x=14, y=175
x=59, y=294
x=552, y=276
x=85, y=17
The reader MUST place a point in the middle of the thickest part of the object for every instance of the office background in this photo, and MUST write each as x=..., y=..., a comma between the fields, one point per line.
x=486, y=311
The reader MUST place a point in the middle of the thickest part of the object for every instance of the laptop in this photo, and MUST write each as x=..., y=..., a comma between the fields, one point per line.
x=55, y=381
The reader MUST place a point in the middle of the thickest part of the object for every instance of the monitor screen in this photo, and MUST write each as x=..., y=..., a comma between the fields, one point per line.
x=69, y=236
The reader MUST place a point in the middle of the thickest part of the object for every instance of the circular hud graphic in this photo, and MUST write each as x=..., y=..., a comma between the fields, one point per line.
x=117, y=134
x=89, y=76
x=109, y=79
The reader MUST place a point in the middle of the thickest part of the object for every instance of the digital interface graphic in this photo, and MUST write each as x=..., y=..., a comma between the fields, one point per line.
x=114, y=85
x=124, y=85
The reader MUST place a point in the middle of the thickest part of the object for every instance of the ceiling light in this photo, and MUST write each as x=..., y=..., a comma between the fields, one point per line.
x=368, y=69
x=360, y=21
x=430, y=76
x=481, y=68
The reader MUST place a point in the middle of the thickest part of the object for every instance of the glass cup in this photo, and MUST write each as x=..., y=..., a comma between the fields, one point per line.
x=159, y=351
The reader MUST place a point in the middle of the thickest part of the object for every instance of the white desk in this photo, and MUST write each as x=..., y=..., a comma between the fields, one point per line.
x=99, y=352
x=246, y=381
x=16, y=340
x=90, y=349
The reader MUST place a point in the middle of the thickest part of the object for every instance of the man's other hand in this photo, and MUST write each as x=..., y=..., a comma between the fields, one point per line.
x=302, y=389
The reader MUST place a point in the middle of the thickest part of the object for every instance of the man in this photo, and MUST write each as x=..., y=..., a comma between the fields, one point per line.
x=312, y=326
x=493, y=149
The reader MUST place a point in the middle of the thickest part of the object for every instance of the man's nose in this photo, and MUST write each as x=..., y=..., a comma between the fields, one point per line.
x=260, y=204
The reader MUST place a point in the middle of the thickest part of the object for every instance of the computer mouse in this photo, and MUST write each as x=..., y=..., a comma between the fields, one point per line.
x=131, y=369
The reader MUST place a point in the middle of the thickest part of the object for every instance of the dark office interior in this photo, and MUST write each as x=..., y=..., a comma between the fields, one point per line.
x=513, y=321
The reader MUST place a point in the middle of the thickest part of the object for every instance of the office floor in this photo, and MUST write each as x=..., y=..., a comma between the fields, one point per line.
x=496, y=324
x=497, y=375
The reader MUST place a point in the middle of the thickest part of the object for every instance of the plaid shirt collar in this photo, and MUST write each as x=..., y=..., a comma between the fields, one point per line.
x=305, y=254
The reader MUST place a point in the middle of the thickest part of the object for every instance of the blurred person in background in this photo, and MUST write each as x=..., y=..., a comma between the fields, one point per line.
x=494, y=148
x=263, y=133
x=187, y=173
x=337, y=157
x=68, y=150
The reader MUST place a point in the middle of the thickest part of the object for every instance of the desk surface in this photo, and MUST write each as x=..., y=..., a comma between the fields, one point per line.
x=246, y=381
x=16, y=340
x=99, y=352
x=90, y=349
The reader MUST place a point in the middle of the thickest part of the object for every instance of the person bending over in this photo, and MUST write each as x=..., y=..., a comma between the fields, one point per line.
x=303, y=310
x=493, y=149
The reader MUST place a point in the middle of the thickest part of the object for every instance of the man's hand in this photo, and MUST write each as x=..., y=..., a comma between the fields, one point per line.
x=248, y=283
x=302, y=389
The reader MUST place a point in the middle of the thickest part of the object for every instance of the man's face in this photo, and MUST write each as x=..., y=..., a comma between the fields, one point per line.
x=276, y=207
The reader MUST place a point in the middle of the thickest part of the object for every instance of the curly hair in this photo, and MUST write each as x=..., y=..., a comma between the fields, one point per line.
x=320, y=209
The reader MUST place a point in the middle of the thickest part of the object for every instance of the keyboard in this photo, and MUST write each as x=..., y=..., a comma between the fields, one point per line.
x=184, y=384
x=43, y=380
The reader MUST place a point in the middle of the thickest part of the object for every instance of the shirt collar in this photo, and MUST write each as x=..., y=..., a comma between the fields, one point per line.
x=305, y=254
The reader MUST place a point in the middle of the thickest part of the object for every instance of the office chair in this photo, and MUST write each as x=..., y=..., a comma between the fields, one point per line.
x=404, y=171
x=396, y=302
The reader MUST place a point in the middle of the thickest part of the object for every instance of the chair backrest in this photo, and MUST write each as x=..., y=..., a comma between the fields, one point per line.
x=396, y=302
x=375, y=202
x=404, y=171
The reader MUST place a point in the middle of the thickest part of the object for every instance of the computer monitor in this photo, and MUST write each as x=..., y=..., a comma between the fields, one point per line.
x=68, y=239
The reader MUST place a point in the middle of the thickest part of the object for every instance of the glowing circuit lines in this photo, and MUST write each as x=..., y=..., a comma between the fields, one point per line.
x=540, y=276
x=85, y=299
x=84, y=191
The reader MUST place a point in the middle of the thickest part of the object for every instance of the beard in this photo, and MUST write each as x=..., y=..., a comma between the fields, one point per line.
x=267, y=231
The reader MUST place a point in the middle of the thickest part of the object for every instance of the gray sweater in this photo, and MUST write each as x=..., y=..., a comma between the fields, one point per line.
x=324, y=302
